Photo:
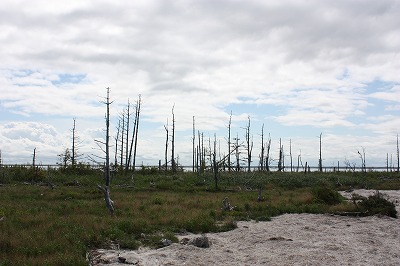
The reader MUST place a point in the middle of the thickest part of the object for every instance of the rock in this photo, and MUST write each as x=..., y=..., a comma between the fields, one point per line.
x=201, y=242
x=184, y=241
x=165, y=242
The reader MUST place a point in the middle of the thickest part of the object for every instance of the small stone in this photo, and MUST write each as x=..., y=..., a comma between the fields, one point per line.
x=201, y=242
x=184, y=241
x=165, y=242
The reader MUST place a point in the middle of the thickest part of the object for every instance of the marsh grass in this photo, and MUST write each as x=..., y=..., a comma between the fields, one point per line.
x=44, y=226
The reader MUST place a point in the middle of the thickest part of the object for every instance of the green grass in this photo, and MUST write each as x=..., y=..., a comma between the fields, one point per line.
x=44, y=226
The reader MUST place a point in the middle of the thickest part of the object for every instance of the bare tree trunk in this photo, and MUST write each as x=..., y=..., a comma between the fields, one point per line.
x=215, y=165
x=199, y=156
x=122, y=140
x=280, y=167
x=320, y=153
x=193, y=144
x=398, y=159
x=362, y=157
x=166, y=145
x=229, y=142
x=249, y=145
x=137, y=119
x=237, y=153
x=291, y=158
x=106, y=189
x=262, y=149
x=128, y=116
x=132, y=141
x=116, y=144
x=34, y=166
x=267, y=156
x=173, y=142
x=73, y=146
x=387, y=162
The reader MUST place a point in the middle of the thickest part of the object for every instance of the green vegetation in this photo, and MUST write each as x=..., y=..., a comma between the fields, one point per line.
x=54, y=217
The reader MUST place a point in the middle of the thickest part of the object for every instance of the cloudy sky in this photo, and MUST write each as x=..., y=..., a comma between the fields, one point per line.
x=301, y=68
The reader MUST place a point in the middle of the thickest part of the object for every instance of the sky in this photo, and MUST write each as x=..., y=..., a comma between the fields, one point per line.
x=300, y=68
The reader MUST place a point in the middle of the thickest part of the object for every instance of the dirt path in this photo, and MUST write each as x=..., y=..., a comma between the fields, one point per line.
x=290, y=239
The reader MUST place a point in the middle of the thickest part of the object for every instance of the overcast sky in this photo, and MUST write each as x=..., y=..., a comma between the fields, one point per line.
x=301, y=68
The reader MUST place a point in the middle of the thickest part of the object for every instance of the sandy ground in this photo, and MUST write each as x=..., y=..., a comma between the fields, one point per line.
x=290, y=239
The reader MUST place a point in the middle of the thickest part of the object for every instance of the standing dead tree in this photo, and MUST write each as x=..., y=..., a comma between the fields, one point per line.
x=166, y=145
x=249, y=145
x=75, y=145
x=214, y=162
x=135, y=132
x=291, y=157
x=122, y=139
x=34, y=167
x=193, y=145
x=173, y=163
x=128, y=121
x=237, y=152
x=267, y=158
x=262, y=149
x=398, y=159
x=229, y=142
x=320, y=153
x=106, y=188
x=362, y=157
x=116, y=144
x=280, y=161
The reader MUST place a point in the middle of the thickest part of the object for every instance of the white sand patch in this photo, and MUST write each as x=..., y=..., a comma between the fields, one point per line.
x=290, y=239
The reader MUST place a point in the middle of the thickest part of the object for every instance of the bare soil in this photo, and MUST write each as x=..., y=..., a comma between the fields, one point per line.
x=290, y=239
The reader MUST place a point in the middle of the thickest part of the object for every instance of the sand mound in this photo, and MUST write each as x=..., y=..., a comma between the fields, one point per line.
x=290, y=239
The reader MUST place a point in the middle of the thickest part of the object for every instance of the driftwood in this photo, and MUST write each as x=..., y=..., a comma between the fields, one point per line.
x=226, y=206
x=107, y=198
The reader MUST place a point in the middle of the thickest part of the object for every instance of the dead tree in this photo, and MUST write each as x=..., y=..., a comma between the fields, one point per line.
x=267, y=159
x=34, y=165
x=262, y=149
x=280, y=161
x=173, y=164
x=136, y=130
x=106, y=188
x=65, y=158
x=249, y=145
x=229, y=142
x=320, y=153
x=362, y=157
x=291, y=158
x=166, y=145
x=73, y=144
x=215, y=164
x=128, y=116
x=398, y=159
x=116, y=144
x=237, y=153
x=122, y=140
x=193, y=145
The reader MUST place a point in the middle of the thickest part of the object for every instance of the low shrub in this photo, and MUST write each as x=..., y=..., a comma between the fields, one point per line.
x=378, y=204
x=327, y=195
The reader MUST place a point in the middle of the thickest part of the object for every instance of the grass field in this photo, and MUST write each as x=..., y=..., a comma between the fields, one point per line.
x=41, y=225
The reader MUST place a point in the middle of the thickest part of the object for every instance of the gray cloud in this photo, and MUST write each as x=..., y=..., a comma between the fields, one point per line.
x=311, y=58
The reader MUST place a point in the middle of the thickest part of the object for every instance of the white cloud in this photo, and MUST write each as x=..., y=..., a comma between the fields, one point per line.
x=312, y=59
